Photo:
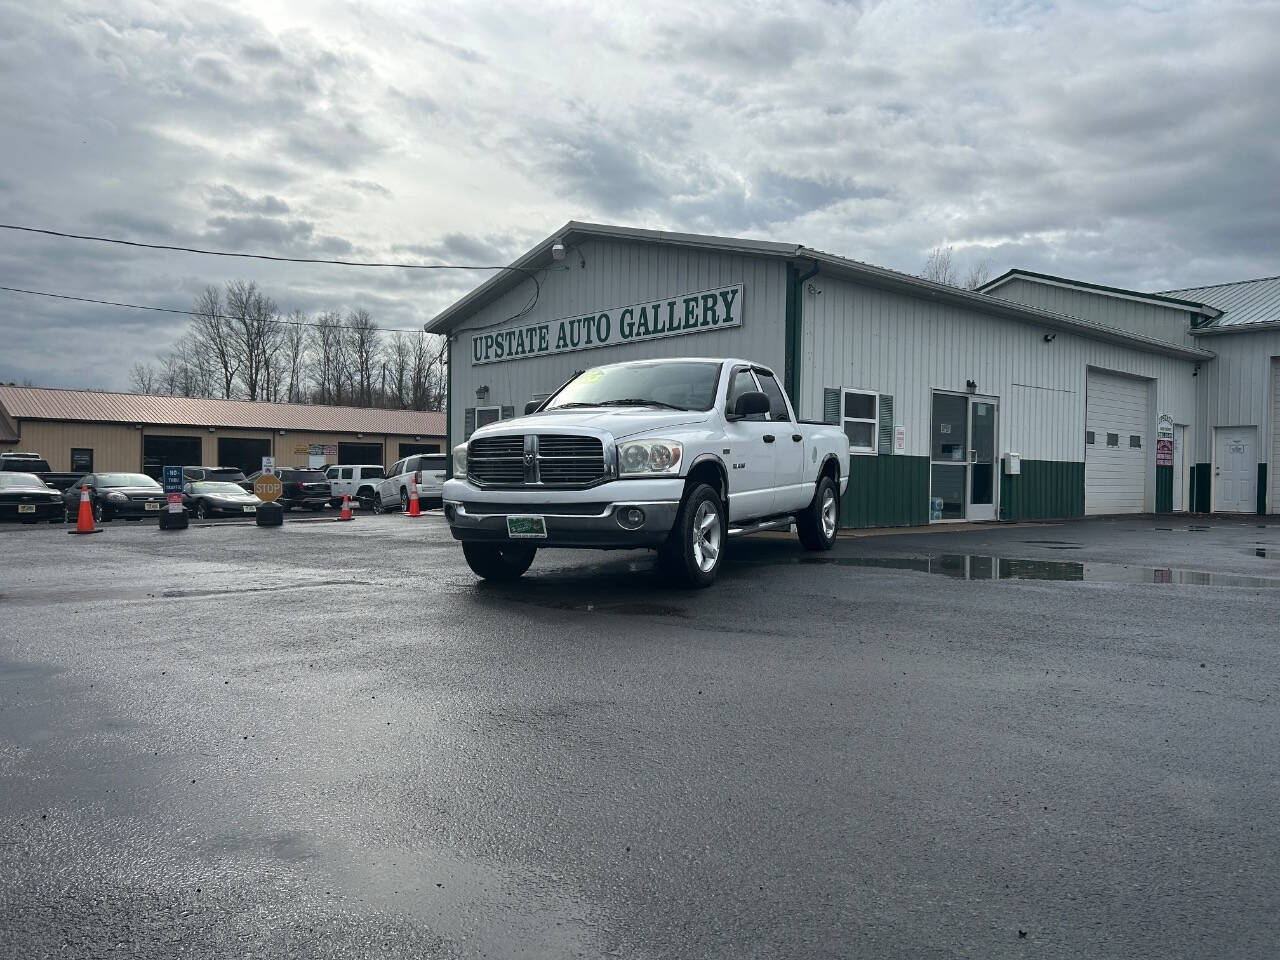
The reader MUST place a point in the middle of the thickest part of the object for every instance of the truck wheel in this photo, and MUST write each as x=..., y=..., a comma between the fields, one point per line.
x=816, y=524
x=498, y=561
x=377, y=506
x=404, y=500
x=693, y=552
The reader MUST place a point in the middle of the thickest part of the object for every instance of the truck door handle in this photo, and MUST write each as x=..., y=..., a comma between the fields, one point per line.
x=768, y=438
x=796, y=437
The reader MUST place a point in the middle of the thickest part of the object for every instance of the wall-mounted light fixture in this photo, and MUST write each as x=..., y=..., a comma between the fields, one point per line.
x=1050, y=337
x=282, y=433
x=416, y=437
x=482, y=392
x=359, y=436
x=557, y=251
x=971, y=386
x=213, y=429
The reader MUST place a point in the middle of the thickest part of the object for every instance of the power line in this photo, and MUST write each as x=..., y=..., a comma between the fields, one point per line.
x=529, y=272
x=191, y=313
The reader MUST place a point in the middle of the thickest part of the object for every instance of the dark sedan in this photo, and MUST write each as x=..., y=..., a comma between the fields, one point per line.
x=302, y=487
x=25, y=497
x=208, y=498
x=128, y=495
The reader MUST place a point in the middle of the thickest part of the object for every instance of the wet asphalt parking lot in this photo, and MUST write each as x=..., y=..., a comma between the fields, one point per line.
x=329, y=740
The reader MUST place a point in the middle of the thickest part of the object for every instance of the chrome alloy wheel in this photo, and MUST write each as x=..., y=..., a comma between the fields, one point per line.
x=706, y=536
x=830, y=513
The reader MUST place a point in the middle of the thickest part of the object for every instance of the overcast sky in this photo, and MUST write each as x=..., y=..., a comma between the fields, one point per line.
x=1135, y=144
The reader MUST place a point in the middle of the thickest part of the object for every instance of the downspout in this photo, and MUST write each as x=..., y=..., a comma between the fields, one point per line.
x=794, y=330
x=448, y=406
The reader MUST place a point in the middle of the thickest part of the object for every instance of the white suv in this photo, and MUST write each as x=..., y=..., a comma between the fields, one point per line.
x=359, y=481
x=425, y=469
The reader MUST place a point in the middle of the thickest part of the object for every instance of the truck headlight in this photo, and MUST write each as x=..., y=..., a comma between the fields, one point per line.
x=460, y=460
x=639, y=457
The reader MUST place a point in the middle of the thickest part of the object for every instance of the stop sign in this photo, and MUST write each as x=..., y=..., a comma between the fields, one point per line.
x=268, y=487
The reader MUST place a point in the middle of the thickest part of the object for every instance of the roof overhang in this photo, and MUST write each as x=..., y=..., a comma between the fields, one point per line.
x=1153, y=299
x=1236, y=328
x=574, y=232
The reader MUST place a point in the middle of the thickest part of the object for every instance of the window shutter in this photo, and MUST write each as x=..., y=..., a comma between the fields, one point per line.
x=886, y=424
x=468, y=423
x=508, y=413
x=831, y=405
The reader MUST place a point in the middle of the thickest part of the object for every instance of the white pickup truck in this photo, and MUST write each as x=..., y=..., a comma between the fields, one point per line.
x=672, y=455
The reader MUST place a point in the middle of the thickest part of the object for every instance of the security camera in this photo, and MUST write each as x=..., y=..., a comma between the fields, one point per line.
x=557, y=251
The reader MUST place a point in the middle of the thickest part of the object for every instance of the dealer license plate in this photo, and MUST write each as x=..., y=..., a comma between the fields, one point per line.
x=152, y=506
x=250, y=509
x=26, y=508
x=526, y=528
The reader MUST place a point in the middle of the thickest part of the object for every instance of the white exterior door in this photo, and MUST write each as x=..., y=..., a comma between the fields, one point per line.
x=1274, y=505
x=1179, y=468
x=1115, y=452
x=1235, y=472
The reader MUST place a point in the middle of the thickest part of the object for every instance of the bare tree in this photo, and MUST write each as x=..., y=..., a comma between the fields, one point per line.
x=398, y=368
x=294, y=349
x=143, y=377
x=979, y=273
x=328, y=360
x=363, y=347
x=255, y=336
x=214, y=333
x=939, y=266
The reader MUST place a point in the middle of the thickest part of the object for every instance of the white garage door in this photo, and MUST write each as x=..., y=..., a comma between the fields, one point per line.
x=1116, y=449
x=1273, y=506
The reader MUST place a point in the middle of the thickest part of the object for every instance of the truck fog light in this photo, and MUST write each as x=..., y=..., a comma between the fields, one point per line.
x=631, y=517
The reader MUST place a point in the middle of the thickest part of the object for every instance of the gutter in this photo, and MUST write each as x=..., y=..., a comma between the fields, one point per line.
x=1236, y=328
x=794, y=328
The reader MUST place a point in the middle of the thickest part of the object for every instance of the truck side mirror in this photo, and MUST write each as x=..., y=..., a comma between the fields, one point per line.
x=749, y=404
x=532, y=407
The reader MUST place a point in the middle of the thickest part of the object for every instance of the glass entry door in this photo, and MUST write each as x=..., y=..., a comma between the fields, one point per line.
x=962, y=471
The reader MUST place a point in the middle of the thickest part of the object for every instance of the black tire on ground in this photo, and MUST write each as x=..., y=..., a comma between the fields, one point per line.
x=69, y=515
x=404, y=499
x=499, y=561
x=816, y=524
x=316, y=507
x=99, y=514
x=377, y=506
x=202, y=511
x=693, y=553
x=335, y=502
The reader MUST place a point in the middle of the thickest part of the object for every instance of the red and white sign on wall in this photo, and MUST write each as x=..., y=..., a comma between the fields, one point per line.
x=1164, y=452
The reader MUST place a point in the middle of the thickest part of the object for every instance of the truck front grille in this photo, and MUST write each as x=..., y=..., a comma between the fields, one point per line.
x=558, y=460
x=498, y=460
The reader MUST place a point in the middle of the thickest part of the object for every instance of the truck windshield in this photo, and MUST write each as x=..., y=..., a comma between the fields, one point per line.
x=681, y=385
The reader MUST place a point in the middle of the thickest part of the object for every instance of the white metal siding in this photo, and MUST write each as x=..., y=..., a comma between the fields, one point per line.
x=1235, y=386
x=1115, y=476
x=871, y=339
x=619, y=273
x=1171, y=324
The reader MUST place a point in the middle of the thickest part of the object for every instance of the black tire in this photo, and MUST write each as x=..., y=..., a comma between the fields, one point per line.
x=316, y=507
x=694, y=552
x=69, y=515
x=499, y=561
x=99, y=512
x=364, y=497
x=335, y=502
x=817, y=523
x=404, y=500
x=202, y=510
x=377, y=506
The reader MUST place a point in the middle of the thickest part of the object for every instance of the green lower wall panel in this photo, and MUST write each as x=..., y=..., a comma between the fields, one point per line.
x=1262, y=488
x=1164, y=489
x=886, y=491
x=1201, y=489
x=1044, y=490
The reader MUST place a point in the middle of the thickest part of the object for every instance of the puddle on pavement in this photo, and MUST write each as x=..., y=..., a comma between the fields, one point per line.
x=963, y=566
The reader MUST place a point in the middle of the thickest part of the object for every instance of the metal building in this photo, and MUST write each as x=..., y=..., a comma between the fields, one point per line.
x=1035, y=397
x=91, y=430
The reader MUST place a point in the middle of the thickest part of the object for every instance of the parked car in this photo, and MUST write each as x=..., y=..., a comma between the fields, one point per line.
x=225, y=474
x=207, y=498
x=128, y=495
x=25, y=497
x=36, y=464
x=427, y=470
x=674, y=455
x=359, y=481
x=303, y=487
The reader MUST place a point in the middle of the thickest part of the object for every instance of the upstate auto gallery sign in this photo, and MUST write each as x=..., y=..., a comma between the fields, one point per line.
x=670, y=317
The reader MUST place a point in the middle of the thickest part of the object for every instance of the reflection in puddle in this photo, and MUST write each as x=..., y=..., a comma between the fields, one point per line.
x=962, y=566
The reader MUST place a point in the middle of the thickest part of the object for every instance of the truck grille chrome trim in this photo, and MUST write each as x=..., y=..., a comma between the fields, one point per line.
x=539, y=460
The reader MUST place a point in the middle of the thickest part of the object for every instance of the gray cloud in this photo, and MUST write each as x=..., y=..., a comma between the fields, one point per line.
x=1134, y=145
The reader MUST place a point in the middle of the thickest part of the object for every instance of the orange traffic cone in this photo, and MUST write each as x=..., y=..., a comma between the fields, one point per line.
x=84, y=520
x=346, y=507
x=414, y=509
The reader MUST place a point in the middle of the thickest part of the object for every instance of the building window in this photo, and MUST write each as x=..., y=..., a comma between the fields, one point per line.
x=1089, y=436
x=1135, y=441
x=81, y=460
x=487, y=415
x=1113, y=439
x=860, y=414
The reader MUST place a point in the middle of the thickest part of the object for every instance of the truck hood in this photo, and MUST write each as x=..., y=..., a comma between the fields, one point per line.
x=621, y=422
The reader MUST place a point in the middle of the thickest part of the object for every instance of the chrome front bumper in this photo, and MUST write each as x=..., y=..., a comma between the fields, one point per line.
x=574, y=518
